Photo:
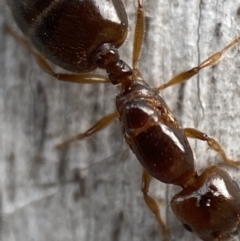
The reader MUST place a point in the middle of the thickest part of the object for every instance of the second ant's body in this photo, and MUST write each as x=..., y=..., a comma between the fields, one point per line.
x=209, y=204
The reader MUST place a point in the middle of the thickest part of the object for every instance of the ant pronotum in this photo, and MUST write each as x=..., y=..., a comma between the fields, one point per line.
x=146, y=196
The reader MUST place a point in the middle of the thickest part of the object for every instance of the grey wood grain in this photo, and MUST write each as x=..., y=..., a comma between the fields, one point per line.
x=91, y=191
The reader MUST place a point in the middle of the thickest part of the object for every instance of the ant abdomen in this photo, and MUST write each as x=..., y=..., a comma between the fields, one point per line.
x=68, y=32
x=210, y=206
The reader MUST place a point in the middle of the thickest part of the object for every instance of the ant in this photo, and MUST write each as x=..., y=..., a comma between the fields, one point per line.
x=208, y=204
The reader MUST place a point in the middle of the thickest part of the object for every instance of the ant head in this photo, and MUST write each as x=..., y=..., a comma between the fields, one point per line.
x=210, y=207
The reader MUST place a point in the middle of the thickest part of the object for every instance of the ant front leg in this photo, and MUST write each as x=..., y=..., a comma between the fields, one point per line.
x=138, y=34
x=99, y=125
x=212, y=143
x=44, y=65
x=153, y=204
x=213, y=59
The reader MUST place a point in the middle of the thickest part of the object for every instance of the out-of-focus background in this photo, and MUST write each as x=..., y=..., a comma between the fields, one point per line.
x=91, y=190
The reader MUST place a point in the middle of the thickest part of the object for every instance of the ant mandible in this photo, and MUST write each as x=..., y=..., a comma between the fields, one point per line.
x=209, y=203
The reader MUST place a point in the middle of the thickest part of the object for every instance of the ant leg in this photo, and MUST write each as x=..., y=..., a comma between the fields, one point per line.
x=138, y=34
x=212, y=143
x=152, y=203
x=73, y=78
x=98, y=126
x=184, y=76
x=44, y=65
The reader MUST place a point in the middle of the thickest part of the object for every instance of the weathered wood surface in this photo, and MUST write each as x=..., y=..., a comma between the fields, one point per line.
x=41, y=198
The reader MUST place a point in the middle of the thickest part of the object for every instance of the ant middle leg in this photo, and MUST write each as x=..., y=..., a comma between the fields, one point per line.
x=212, y=143
x=153, y=204
x=186, y=75
x=98, y=126
x=87, y=78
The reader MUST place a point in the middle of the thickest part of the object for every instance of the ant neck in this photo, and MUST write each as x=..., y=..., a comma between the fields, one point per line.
x=107, y=57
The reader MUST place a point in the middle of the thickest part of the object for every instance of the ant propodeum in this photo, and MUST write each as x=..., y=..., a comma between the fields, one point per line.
x=81, y=36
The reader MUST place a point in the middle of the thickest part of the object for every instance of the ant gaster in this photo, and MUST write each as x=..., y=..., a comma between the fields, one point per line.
x=209, y=204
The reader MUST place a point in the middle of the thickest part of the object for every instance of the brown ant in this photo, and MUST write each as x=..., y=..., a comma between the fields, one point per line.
x=208, y=204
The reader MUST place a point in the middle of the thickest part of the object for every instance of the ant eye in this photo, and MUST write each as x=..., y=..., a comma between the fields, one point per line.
x=187, y=227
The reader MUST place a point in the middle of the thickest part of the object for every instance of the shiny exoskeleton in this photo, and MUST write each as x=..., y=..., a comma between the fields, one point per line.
x=82, y=35
x=62, y=32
